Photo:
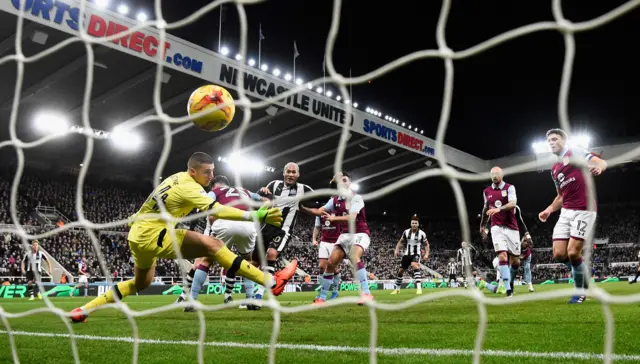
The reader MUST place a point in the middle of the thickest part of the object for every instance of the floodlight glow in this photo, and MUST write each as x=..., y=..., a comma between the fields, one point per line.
x=421, y=131
x=299, y=81
x=355, y=104
x=51, y=123
x=541, y=147
x=142, y=16
x=402, y=124
x=245, y=164
x=582, y=141
x=276, y=72
x=367, y=110
x=288, y=77
x=125, y=139
x=238, y=57
x=252, y=62
x=319, y=90
x=416, y=129
x=102, y=3
x=224, y=50
x=329, y=93
x=264, y=67
x=409, y=127
x=123, y=9
x=355, y=187
x=309, y=86
x=338, y=98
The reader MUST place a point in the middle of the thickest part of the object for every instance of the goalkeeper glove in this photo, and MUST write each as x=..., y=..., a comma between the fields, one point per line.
x=272, y=216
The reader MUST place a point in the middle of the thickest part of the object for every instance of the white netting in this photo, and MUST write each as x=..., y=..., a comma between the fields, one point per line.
x=562, y=25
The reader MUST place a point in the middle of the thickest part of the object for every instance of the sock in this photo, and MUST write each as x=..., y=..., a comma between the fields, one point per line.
x=417, y=276
x=336, y=282
x=514, y=273
x=260, y=292
x=327, y=279
x=198, y=280
x=567, y=262
x=248, y=288
x=491, y=287
x=186, y=286
x=30, y=290
x=230, y=282
x=505, y=272
x=362, y=277
x=271, y=266
x=578, y=273
x=637, y=275
x=36, y=290
x=122, y=290
x=238, y=266
x=85, y=291
x=399, y=281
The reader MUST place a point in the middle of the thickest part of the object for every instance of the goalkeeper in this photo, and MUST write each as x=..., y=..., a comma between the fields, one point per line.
x=150, y=239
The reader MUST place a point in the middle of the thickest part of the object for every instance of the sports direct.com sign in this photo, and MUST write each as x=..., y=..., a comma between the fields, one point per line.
x=66, y=16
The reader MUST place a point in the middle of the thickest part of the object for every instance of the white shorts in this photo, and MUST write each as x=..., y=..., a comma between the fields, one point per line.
x=575, y=224
x=241, y=234
x=325, y=249
x=505, y=239
x=83, y=279
x=347, y=241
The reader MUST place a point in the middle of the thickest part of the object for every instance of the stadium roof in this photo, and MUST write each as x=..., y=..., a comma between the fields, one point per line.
x=304, y=128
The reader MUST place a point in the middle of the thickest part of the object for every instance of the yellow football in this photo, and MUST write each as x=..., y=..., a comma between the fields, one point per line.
x=209, y=97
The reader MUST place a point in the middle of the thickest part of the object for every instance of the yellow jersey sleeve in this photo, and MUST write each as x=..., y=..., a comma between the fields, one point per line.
x=194, y=196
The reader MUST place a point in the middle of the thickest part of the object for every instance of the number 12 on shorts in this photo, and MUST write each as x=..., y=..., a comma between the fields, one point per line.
x=582, y=227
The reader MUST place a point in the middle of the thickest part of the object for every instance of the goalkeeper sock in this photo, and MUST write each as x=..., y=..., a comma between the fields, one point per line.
x=198, y=280
x=248, y=288
x=505, y=272
x=238, y=266
x=327, y=279
x=362, y=277
x=122, y=290
x=336, y=282
x=579, y=273
x=186, y=287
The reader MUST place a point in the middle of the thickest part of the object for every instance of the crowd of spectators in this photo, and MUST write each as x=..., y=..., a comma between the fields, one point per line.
x=109, y=201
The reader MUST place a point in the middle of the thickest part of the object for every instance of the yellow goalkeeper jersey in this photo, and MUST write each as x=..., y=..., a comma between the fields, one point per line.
x=180, y=194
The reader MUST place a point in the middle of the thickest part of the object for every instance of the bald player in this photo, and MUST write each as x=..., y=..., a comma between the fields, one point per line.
x=499, y=203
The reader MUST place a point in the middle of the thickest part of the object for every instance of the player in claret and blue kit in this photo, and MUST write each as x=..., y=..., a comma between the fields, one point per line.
x=329, y=233
x=352, y=245
x=576, y=220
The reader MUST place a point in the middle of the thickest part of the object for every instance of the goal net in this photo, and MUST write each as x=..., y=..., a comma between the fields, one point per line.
x=564, y=26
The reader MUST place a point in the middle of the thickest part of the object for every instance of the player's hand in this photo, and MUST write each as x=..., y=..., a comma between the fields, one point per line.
x=492, y=212
x=426, y=257
x=328, y=216
x=396, y=253
x=595, y=170
x=272, y=216
x=315, y=242
x=544, y=215
x=265, y=191
x=483, y=234
x=24, y=272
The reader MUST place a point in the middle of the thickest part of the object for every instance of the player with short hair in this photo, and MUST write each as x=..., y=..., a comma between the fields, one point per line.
x=83, y=276
x=499, y=203
x=352, y=245
x=328, y=232
x=33, y=260
x=153, y=238
x=413, y=237
x=239, y=234
x=276, y=238
x=576, y=221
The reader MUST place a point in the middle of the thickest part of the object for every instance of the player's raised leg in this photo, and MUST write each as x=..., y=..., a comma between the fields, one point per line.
x=336, y=257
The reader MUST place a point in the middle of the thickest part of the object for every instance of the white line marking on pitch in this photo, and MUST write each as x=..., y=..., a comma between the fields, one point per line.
x=348, y=349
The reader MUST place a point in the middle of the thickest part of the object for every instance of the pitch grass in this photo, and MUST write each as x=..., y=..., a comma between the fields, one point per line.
x=449, y=323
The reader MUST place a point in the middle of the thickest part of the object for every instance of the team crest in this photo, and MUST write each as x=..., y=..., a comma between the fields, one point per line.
x=504, y=193
x=498, y=204
x=327, y=223
x=560, y=177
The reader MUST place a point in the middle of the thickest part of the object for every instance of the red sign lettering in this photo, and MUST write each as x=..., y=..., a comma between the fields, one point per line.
x=410, y=141
x=137, y=41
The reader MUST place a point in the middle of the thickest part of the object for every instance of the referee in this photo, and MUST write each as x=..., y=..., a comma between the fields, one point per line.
x=32, y=262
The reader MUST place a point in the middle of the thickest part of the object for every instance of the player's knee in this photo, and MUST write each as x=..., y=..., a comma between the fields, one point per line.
x=502, y=256
x=574, y=254
x=559, y=256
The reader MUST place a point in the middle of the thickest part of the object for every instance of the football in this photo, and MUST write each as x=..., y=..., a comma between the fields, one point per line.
x=209, y=97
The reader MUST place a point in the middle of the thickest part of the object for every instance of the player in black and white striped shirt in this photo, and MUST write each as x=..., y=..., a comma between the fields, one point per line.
x=452, y=270
x=412, y=239
x=465, y=258
x=32, y=262
x=274, y=238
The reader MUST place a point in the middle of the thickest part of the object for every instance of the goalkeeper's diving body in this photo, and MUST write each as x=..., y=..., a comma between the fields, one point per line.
x=150, y=239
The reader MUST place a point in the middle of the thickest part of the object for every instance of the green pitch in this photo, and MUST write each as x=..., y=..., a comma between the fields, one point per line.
x=529, y=332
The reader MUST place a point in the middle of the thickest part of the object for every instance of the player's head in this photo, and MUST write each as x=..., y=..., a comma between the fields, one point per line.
x=496, y=175
x=35, y=245
x=220, y=181
x=464, y=245
x=83, y=259
x=291, y=173
x=415, y=223
x=200, y=168
x=342, y=179
x=557, y=140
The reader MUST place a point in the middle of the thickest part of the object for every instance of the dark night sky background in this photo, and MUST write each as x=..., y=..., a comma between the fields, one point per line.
x=503, y=98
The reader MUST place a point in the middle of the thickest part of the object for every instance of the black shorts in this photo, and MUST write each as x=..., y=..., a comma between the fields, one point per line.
x=30, y=276
x=274, y=237
x=452, y=277
x=408, y=259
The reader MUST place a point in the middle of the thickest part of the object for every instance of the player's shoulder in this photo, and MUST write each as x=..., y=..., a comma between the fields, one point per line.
x=305, y=187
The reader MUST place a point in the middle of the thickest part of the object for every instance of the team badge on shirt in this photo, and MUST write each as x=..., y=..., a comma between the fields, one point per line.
x=504, y=193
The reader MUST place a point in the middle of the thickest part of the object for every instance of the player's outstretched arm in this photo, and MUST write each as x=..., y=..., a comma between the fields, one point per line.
x=597, y=165
x=272, y=216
